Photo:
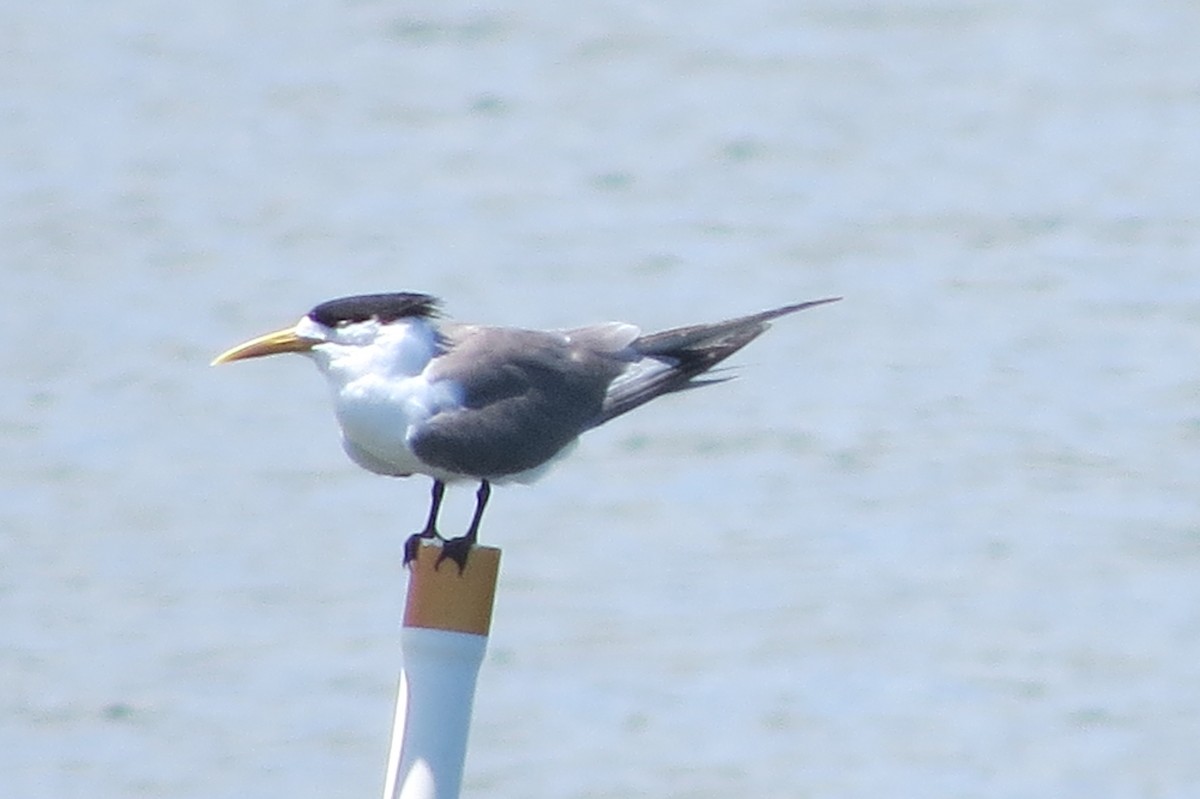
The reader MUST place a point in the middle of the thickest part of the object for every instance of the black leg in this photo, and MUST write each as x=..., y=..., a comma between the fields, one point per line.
x=435, y=507
x=430, y=531
x=481, y=501
x=457, y=549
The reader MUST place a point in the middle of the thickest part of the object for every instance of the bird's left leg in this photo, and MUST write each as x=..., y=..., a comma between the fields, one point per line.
x=457, y=549
x=430, y=531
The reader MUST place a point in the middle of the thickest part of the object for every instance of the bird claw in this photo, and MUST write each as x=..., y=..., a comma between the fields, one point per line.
x=410, y=548
x=413, y=543
x=457, y=550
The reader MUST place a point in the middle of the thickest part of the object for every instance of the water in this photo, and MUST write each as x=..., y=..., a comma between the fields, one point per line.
x=939, y=540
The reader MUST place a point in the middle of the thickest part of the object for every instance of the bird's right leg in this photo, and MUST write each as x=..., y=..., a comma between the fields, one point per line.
x=430, y=531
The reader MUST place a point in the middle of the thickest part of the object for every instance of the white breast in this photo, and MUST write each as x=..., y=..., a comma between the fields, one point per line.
x=378, y=416
x=376, y=374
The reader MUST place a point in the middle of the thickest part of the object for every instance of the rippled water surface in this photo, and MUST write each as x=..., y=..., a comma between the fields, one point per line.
x=940, y=539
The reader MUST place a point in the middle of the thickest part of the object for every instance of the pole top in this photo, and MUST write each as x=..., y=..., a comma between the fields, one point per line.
x=443, y=599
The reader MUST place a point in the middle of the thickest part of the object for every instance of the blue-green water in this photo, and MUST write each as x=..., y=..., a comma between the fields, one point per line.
x=938, y=540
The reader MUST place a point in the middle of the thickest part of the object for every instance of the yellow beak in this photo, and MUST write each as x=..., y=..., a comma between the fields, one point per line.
x=270, y=344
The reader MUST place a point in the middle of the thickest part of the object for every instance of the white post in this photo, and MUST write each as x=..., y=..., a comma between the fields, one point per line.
x=447, y=618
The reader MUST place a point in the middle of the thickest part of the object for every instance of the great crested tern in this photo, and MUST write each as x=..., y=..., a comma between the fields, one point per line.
x=415, y=394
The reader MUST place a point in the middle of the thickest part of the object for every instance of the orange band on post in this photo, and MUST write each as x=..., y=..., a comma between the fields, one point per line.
x=443, y=599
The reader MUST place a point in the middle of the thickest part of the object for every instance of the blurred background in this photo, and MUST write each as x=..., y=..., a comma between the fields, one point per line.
x=940, y=539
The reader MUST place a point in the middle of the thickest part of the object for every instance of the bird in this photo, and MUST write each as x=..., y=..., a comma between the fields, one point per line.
x=416, y=393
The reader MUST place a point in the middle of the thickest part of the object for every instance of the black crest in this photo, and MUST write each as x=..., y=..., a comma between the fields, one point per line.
x=384, y=307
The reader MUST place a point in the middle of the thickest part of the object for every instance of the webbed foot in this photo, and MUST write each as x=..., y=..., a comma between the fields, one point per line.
x=457, y=550
x=414, y=542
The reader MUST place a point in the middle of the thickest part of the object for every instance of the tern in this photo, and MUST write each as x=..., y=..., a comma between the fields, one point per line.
x=417, y=394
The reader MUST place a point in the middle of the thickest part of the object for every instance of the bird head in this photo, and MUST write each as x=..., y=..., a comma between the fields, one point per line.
x=369, y=326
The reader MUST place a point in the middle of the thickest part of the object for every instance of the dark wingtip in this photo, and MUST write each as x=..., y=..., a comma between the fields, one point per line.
x=767, y=316
x=693, y=351
x=800, y=306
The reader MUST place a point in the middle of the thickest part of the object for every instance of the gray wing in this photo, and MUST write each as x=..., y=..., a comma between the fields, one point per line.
x=527, y=394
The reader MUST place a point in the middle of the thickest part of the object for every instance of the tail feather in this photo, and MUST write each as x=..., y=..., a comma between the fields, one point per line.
x=672, y=359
